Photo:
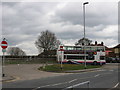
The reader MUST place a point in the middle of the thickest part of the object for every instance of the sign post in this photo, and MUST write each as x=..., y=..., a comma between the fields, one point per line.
x=100, y=59
x=4, y=45
x=61, y=49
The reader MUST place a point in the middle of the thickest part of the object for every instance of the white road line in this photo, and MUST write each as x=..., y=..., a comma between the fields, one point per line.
x=101, y=70
x=97, y=75
x=72, y=86
x=43, y=86
x=54, y=84
x=57, y=84
x=111, y=70
x=116, y=85
x=72, y=80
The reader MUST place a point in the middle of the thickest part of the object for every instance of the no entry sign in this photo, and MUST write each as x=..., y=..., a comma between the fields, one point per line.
x=61, y=48
x=4, y=44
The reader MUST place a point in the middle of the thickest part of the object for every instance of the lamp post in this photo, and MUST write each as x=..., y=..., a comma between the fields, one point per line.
x=84, y=31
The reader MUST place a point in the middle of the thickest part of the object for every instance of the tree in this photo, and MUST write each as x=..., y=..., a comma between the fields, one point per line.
x=82, y=41
x=47, y=41
x=15, y=51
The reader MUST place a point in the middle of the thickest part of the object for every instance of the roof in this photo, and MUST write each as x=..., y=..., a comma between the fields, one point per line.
x=118, y=46
x=109, y=49
x=96, y=45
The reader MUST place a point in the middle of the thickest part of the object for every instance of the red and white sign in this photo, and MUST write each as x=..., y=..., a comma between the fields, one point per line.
x=61, y=48
x=4, y=44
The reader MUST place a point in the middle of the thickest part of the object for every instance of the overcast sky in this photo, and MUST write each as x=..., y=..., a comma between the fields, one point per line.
x=22, y=22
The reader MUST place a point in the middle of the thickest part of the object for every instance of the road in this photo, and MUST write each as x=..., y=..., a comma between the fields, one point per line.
x=106, y=78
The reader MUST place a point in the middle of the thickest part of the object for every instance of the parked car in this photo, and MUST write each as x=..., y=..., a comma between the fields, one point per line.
x=108, y=60
x=112, y=60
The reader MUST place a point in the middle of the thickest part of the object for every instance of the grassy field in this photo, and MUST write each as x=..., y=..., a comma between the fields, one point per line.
x=66, y=67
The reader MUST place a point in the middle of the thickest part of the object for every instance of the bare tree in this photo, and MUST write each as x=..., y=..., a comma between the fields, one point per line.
x=15, y=51
x=47, y=41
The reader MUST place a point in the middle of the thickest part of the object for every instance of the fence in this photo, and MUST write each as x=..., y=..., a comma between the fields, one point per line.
x=29, y=60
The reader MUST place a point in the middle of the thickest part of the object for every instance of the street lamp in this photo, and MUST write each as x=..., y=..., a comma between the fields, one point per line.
x=84, y=30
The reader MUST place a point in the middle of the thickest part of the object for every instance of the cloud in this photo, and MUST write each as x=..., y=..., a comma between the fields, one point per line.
x=28, y=47
x=110, y=31
x=22, y=22
x=96, y=13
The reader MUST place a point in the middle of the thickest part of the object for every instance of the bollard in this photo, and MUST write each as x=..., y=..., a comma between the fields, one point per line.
x=3, y=75
x=88, y=85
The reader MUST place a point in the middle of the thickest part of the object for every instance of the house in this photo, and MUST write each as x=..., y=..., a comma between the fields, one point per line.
x=117, y=51
x=108, y=51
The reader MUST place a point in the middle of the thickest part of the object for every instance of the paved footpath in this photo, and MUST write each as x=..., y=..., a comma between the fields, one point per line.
x=26, y=72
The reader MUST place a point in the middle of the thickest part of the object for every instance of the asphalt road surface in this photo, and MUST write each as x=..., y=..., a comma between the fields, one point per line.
x=106, y=78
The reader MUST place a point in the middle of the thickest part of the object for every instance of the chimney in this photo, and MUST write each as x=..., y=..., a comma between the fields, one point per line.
x=95, y=42
x=82, y=43
x=102, y=43
x=89, y=44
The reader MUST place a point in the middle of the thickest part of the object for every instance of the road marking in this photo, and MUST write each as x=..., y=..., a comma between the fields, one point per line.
x=52, y=85
x=97, y=75
x=116, y=85
x=16, y=78
x=57, y=84
x=42, y=86
x=72, y=86
x=68, y=81
x=63, y=82
x=48, y=85
x=72, y=80
x=101, y=70
x=106, y=73
x=111, y=70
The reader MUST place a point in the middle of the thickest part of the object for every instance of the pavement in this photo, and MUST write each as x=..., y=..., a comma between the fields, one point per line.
x=25, y=72
x=7, y=78
x=30, y=71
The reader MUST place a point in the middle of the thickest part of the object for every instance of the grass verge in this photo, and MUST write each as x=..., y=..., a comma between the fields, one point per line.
x=66, y=67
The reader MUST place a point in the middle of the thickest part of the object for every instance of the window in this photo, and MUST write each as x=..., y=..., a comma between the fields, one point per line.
x=78, y=57
x=102, y=57
x=78, y=48
x=87, y=48
x=73, y=57
x=90, y=57
x=93, y=48
x=100, y=49
x=69, y=48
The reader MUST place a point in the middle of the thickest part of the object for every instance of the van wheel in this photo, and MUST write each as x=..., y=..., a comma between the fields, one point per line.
x=94, y=63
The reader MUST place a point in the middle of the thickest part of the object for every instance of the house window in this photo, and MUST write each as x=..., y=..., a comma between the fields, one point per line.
x=116, y=50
